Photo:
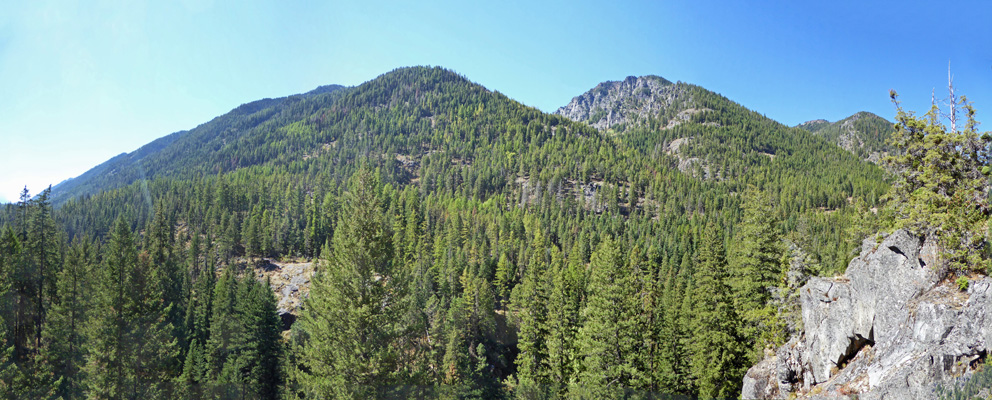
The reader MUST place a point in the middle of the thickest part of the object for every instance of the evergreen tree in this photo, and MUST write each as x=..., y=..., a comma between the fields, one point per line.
x=9, y=252
x=64, y=335
x=714, y=349
x=608, y=339
x=351, y=315
x=564, y=308
x=131, y=351
x=535, y=291
x=941, y=179
x=756, y=269
x=44, y=248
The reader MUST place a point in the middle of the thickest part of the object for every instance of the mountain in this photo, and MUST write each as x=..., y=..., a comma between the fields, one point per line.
x=502, y=236
x=171, y=154
x=619, y=103
x=864, y=134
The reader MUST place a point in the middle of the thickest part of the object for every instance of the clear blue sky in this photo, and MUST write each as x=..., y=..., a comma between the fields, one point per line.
x=82, y=81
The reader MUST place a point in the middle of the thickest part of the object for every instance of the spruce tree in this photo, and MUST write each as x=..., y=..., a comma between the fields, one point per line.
x=351, y=316
x=131, y=351
x=608, y=339
x=715, y=352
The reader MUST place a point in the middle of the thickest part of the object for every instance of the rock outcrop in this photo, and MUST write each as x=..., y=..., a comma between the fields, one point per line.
x=629, y=101
x=290, y=282
x=891, y=328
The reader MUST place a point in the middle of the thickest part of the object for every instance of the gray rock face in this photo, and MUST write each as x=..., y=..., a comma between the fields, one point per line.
x=623, y=102
x=889, y=329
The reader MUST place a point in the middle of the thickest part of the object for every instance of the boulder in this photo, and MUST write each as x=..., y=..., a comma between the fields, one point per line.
x=891, y=328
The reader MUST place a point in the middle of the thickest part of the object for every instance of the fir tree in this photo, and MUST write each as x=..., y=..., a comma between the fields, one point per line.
x=65, y=345
x=756, y=269
x=535, y=291
x=608, y=339
x=714, y=349
x=351, y=315
x=131, y=351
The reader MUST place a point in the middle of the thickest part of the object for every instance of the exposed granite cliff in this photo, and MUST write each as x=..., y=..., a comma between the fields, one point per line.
x=629, y=101
x=891, y=328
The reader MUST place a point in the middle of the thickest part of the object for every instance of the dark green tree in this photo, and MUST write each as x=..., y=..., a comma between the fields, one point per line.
x=64, y=334
x=608, y=340
x=131, y=350
x=756, y=269
x=714, y=348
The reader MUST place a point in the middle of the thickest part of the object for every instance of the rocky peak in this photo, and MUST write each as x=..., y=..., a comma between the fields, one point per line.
x=629, y=101
x=814, y=125
x=891, y=328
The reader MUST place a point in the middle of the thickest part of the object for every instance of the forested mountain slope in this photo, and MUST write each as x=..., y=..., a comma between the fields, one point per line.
x=196, y=150
x=479, y=245
x=864, y=134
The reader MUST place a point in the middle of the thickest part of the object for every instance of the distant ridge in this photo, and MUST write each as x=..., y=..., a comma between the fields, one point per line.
x=864, y=134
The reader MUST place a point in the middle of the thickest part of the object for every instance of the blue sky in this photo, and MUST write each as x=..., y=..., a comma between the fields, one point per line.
x=82, y=81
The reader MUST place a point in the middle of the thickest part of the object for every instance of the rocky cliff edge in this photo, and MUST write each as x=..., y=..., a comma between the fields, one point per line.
x=891, y=328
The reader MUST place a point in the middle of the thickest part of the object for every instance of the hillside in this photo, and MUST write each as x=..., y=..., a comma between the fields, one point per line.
x=463, y=223
x=863, y=134
x=189, y=151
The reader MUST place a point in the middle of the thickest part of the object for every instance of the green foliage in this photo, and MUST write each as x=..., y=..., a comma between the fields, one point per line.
x=354, y=305
x=756, y=269
x=962, y=283
x=973, y=387
x=468, y=246
x=864, y=134
x=940, y=187
x=609, y=339
x=716, y=356
x=131, y=347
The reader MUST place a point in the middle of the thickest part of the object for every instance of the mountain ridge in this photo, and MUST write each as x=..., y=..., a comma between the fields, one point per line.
x=864, y=134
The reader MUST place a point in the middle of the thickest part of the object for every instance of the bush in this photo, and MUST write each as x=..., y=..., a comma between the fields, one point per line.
x=962, y=283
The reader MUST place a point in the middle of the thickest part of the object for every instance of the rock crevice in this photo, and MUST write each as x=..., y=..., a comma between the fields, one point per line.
x=891, y=328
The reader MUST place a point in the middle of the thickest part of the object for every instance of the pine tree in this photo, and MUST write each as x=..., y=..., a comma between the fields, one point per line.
x=258, y=348
x=674, y=334
x=173, y=274
x=224, y=328
x=64, y=336
x=9, y=253
x=608, y=339
x=131, y=351
x=715, y=353
x=44, y=248
x=534, y=293
x=941, y=179
x=564, y=307
x=351, y=316
x=756, y=269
